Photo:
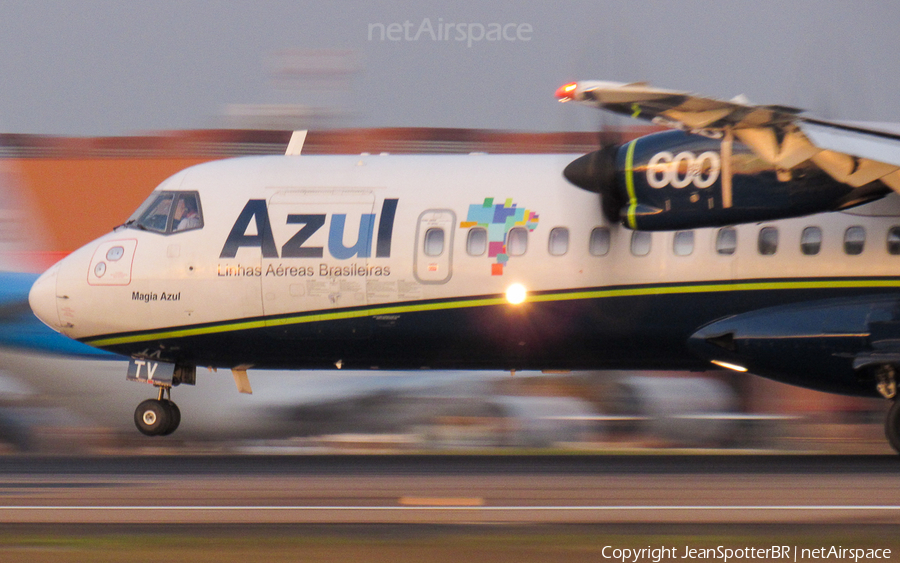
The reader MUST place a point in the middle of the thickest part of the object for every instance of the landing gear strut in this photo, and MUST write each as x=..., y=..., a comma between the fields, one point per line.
x=886, y=376
x=158, y=417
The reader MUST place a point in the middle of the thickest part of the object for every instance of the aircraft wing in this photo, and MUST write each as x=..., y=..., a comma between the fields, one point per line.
x=855, y=154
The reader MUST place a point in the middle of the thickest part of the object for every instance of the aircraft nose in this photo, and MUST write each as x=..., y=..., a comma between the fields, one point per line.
x=42, y=298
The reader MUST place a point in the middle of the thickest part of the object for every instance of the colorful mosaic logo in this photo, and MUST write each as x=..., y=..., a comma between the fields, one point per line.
x=498, y=219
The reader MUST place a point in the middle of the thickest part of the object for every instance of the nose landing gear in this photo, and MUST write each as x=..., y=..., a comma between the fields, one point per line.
x=158, y=417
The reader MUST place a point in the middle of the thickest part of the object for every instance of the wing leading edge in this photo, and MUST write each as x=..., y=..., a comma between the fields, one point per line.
x=856, y=155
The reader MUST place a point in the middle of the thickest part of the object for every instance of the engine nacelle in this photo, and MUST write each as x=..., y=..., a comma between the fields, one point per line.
x=676, y=180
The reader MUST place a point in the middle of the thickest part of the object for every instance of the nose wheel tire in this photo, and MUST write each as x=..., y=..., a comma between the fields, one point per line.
x=175, y=413
x=155, y=417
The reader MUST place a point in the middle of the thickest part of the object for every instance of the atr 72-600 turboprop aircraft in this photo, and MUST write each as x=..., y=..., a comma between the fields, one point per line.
x=750, y=237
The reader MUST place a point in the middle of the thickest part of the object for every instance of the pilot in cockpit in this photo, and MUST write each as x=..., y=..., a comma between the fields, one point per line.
x=186, y=215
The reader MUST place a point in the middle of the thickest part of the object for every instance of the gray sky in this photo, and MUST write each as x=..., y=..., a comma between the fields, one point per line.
x=93, y=67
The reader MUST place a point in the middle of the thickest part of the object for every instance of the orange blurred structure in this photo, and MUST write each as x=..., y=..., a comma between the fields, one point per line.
x=81, y=188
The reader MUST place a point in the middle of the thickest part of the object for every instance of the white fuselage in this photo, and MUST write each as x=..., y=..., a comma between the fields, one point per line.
x=152, y=284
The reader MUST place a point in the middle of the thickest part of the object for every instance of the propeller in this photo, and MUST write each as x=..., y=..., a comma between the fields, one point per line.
x=596, y=171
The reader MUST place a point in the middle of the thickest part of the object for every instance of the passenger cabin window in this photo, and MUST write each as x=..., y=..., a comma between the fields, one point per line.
x=168, y=212
x=434, y=241
x=517, y=241
x=683, y=243
x=768, y=241
x=726, y=241
x=893, y=241
x=811, y=241
x=599, y=245
x=476, y=241
x=854, y=240
x=640, y=243
x=559, y=241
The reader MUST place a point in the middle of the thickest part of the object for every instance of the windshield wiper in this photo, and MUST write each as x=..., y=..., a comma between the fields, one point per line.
x=131, y=224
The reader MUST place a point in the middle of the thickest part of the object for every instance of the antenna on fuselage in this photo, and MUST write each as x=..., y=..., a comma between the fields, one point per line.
x=296, y=143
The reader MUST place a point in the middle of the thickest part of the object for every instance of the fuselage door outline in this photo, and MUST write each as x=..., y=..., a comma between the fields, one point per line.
x=433, y=264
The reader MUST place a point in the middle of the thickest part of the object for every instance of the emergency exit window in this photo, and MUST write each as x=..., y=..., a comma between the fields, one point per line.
x=434, y=241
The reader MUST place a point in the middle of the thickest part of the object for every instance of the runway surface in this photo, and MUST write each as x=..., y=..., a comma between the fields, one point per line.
x=267, y=490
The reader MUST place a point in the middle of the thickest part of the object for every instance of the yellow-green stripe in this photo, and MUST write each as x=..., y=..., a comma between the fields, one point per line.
x=490, y=301
x=629, y=184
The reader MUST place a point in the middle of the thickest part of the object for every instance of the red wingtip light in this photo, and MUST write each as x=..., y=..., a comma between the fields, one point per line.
x=567, y=92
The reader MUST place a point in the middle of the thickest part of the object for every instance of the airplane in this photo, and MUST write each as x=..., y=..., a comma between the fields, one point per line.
x=749, y=237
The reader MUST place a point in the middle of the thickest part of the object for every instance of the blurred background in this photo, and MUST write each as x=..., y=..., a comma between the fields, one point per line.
x=106, y=67
x=102, y=100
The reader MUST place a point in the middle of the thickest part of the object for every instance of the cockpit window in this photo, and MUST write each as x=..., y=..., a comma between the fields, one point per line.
x=168, y=212
x=187, y=213
x=156, y=217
